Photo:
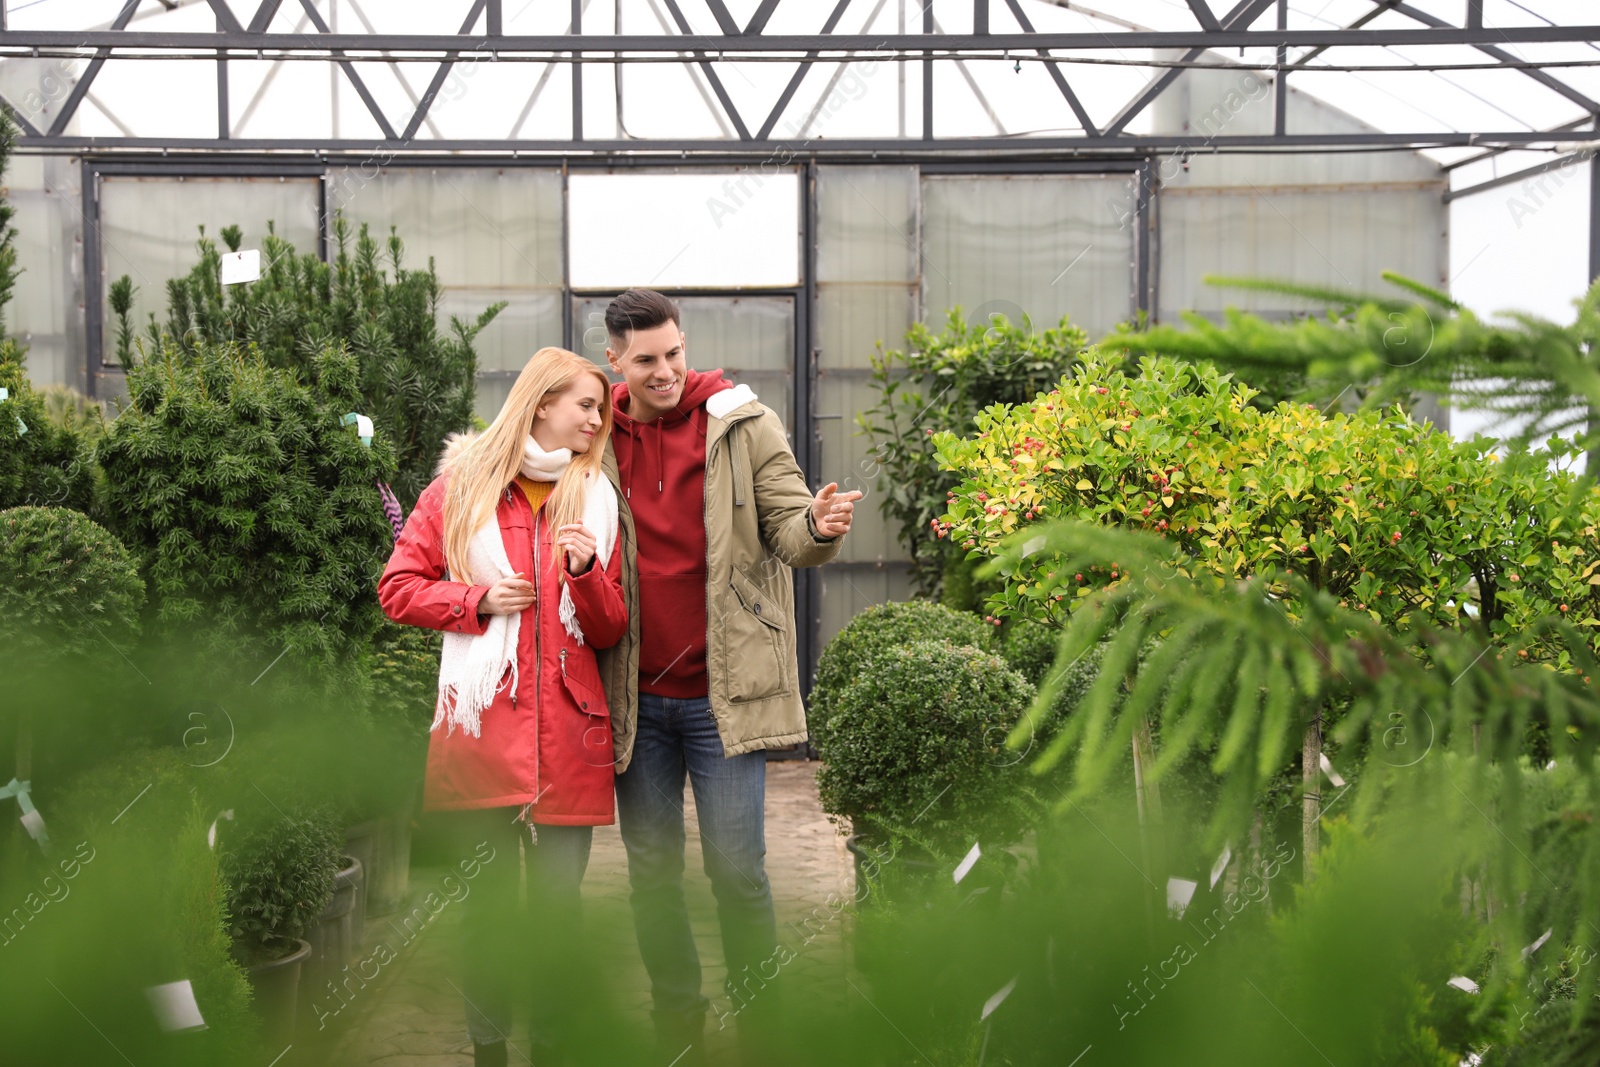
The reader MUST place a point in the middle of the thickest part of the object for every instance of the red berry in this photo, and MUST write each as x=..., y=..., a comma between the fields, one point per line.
x=1563, y=607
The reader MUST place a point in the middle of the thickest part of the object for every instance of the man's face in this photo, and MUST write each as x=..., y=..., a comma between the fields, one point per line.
x=651, y=362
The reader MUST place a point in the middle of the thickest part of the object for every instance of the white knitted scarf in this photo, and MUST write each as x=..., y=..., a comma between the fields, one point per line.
x=473, y=668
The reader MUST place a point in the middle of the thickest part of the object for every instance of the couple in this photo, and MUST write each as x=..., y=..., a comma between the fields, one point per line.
x=618, y=612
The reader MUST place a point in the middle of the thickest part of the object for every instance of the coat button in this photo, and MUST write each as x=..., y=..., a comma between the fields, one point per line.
x=585, y=705
x=455, y=609
x=757, y=609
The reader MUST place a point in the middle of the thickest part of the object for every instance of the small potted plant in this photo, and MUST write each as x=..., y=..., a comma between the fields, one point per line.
x=916, y=758
x=280, y=873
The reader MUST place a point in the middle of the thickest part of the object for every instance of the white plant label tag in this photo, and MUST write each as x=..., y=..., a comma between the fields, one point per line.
x=175, y=1006
x=1463, y=983
x=241, y=266
x=1221, y=865
x=1179, y=892
x=998, y=999
x=967, y=863
x=1333, y=775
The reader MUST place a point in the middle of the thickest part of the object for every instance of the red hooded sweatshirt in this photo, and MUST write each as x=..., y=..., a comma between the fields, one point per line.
x=662, y=466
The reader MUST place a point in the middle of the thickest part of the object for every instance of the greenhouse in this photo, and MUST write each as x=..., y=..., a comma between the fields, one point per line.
x=1081, y=493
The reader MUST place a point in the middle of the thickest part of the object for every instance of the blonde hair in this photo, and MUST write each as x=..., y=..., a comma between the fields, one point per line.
x=493, y=459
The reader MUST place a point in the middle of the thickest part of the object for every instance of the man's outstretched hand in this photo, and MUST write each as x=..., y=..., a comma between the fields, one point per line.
x=832, y=510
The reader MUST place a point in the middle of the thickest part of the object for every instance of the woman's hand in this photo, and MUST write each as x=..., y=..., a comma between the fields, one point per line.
x=579, y=544
x=508, y=596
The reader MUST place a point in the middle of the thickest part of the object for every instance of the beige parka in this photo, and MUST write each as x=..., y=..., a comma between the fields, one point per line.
x=758, y=527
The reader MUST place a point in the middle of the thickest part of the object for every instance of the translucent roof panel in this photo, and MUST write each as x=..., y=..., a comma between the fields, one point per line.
x=734, y=95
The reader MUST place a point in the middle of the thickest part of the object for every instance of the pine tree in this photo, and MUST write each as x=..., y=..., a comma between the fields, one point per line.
x=253, y=508
x=416, y=382
x=1525, y=370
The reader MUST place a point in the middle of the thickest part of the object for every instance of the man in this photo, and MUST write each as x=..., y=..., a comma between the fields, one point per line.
x=715, y=513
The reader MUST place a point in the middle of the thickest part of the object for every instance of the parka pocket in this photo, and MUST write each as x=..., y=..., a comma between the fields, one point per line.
x=757, y=644
x=586, y=697
x=595, y=742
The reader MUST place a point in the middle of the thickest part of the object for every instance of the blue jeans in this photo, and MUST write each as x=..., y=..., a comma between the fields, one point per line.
x=677, y=737
x=511, y=950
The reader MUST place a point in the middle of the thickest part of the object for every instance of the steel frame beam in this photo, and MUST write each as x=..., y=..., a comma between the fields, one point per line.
x=372, y=46
x=839, y=148
x=1242, y=15
x=1554, y=84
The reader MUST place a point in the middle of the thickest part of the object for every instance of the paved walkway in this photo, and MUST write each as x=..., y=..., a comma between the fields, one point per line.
x=411, y=1015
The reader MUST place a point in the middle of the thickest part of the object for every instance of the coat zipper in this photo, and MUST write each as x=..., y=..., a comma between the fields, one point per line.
x=512, y=500
x=538, y=660
x=705, y=521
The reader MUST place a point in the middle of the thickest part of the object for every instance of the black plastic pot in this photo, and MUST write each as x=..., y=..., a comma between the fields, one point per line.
x=388, y=885
x=364, y=842
x=334, y=937
x=277, y=987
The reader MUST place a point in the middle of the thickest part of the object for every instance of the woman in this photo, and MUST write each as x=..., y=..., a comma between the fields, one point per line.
x=513, y=552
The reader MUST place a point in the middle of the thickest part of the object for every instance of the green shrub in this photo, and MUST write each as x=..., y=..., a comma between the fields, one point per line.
x=405, y=678
x=880, y=627
x=147, y=902
x=253, y=509
x=1394, y=518
x=915, y=748
x=280, y=871
x=414, y=380
x=42, y=462
x=940, y=383
x=70, y=586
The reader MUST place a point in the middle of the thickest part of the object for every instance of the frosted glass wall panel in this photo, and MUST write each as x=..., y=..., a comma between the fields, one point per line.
x=529, y=321
x=1343, y=237
x=493, y=234
x=847, y=458
x=866, y=224
x=149, y=227
x=853, y=319
x=866, y=261
x=45, y=313
x=847, y=591
x=488, y=228
x=750, y=337
x=1040, y=245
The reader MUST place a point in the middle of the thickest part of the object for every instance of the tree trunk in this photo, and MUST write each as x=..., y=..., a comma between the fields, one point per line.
x=1591, y=459
x=1152, y=834
x=1311, y=777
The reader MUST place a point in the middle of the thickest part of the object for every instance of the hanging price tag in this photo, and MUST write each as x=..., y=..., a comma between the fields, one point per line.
x=363, y=427
x=241, y=266
x=22, y=427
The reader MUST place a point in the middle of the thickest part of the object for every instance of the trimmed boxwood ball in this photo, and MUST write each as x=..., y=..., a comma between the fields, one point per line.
x=70, y=586
x=280, y=872
x=42, y=461
x=881, y=627
x=915, y=748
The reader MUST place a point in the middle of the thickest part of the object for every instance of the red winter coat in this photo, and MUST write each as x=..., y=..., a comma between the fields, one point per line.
x=548, y=743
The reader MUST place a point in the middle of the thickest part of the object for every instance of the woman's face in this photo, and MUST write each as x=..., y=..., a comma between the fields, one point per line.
x=570, y=419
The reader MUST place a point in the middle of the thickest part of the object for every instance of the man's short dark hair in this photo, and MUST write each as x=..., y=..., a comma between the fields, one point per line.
x=639, y=309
